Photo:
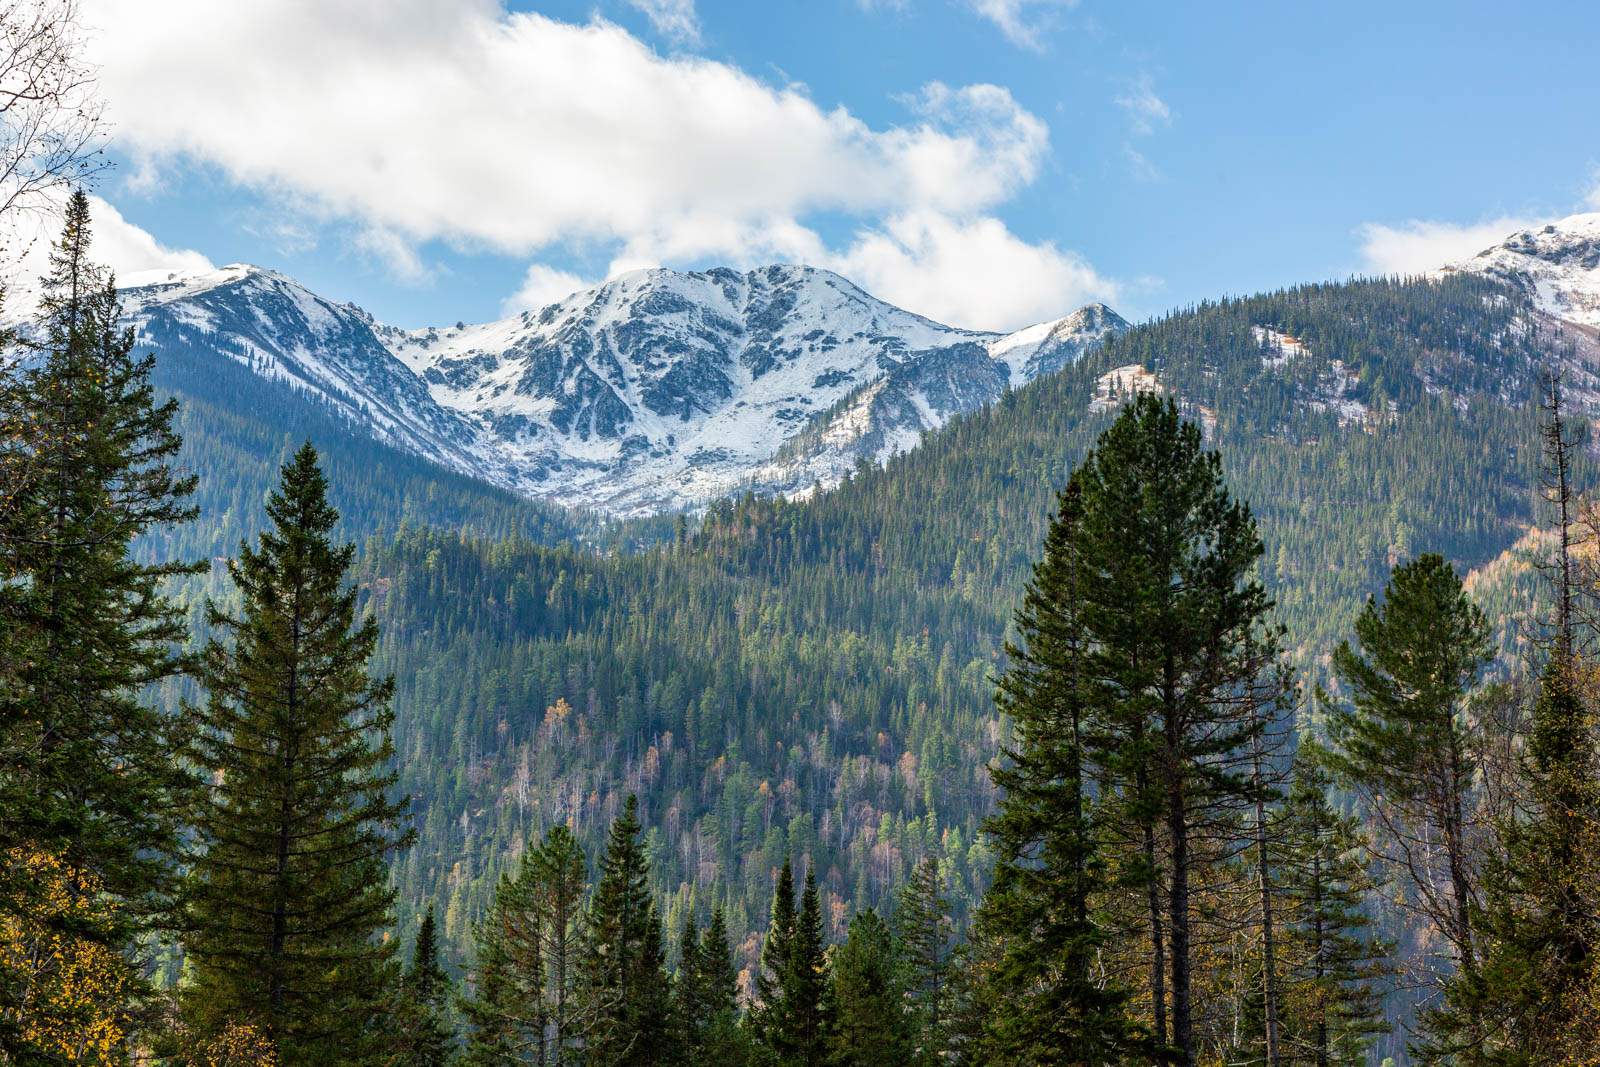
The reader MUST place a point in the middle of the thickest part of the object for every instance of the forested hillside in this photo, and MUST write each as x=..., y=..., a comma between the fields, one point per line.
x=816, y=676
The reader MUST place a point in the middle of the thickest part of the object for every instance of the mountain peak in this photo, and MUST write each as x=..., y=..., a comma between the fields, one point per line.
x=1558, y=264
x=655, y=390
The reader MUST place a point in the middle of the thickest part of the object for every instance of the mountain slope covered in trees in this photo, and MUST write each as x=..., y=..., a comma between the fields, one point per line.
x=816, y=677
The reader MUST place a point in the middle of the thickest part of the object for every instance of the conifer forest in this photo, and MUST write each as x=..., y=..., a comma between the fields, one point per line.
x=1225, y=695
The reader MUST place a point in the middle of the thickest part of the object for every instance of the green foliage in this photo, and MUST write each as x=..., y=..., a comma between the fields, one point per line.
x=1532, y=998
x=626, y=994
x=871, y=989
x=288, y=883
x=791, y=1022
x=1048, y=1002
x=706, y=1006
x=1335, y=968
x=87, y=780
x=1400, y=741
x=424, y=1034
x=926, y=936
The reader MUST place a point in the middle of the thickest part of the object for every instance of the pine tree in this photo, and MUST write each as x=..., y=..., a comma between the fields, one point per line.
x=424, y=1037
x=1181, y=672
x=1533, y=999
x=626, y=988
x=922, y=924
x=288, y=886
x=707, y=996
x=560, y=878
x=506, y=1012
x=87, y=778
x=1049, y=1004
x=766, y=1020
x=1334, y=966
x=873, y=1025
x=791, y=1022
x=1399, y=743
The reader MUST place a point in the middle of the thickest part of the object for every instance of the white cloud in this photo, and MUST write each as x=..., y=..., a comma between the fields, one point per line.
x=1146, y=111
x=979, y=273
x=1422, y=245
x=674, y=19
x=133, y=255
x=455, y=120
x=543, y=286
x=1591, y=199
x=1014, y=19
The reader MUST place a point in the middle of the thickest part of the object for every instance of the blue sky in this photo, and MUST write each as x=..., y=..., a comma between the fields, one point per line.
x=986, y=162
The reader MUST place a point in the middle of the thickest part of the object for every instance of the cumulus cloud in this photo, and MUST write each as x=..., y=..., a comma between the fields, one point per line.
x=674, y=19
x=456, y=120
x=133, y=255
x=979, y=273
x=1024, y=22
x=1422, y=245
x=1591, y=200
x=542, y=286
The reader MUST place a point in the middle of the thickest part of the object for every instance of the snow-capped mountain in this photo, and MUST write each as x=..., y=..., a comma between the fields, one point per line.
x=1558, y=265
x=654, y=391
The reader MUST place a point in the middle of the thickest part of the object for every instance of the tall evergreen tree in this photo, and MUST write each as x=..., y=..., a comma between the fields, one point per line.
x=1050, y=1005
x=560, y=879
x=527, y=975
x=87, y=779
x=424, y=1038
x=792, y=1021
x=1400, y=741
x=506, y=1013
x=1334, y=965
x=289, y=886
x=766, y=1019
x=628, y=996
x=707, y=996
x=1182, y=667
x=873, y=1025
x=1533, y=1000
x=923, y=925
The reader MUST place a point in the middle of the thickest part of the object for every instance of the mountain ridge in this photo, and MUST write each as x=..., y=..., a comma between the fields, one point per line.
x=656, y=391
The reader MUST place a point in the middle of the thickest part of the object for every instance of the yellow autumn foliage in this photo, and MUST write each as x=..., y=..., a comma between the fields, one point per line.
x=238, y=1046
x=71, y=990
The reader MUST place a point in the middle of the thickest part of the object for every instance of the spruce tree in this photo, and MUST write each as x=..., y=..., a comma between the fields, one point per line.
x=288, y=887
x=706, y=1007
x=628, y=997
x=88, y=785
x=808, y=985
x=922, y=924
x=560, y=879
x=873, y=1025
x=1049, y=1005
x=424, y=1038
x=1533, y=999
x=505, y=1012
x=1400, y=741
x=525, y=1005
x=1334, y=966
x=791, y=1022
x=766, y=1017
x=723, y=1042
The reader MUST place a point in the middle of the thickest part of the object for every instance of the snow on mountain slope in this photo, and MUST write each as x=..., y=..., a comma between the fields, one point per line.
x=656, y=390
x=1558, y=264
x=282, y=331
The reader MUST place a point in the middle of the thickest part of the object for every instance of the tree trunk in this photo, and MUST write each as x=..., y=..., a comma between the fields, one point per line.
x=1269, y=962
